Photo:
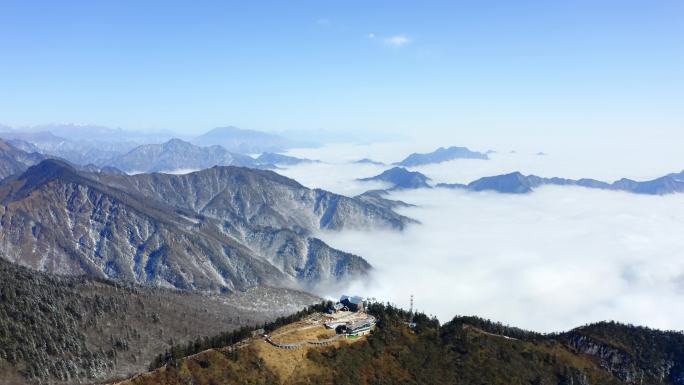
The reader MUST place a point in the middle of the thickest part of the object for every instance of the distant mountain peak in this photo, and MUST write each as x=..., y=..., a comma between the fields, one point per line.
x=177, y=142
x=442, y=154
x=42, y=173
x=272, y=158
x=49, y=166
x=514, y=182
x=401, y=178
x=369, y=161
x=244, y=140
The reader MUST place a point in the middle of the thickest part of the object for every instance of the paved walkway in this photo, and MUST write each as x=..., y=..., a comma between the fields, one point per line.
x=295, y=345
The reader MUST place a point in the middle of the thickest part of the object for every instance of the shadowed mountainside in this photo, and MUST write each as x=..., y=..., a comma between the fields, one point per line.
x=56, y=329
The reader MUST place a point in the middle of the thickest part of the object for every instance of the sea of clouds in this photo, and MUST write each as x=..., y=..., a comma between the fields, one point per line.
x=551, y=260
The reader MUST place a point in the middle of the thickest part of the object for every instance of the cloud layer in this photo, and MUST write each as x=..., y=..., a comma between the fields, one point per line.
x=551, y=260
x=548, y=261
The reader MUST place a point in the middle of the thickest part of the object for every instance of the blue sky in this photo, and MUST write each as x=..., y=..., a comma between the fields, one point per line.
x=535, y=68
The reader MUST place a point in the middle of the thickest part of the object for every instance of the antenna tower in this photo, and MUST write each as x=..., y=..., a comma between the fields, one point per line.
x=411, y=308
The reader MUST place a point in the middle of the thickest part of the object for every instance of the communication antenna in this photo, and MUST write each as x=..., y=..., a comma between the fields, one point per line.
x=411, y=308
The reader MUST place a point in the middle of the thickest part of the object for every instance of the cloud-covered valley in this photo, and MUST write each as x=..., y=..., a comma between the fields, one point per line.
x=550, y=260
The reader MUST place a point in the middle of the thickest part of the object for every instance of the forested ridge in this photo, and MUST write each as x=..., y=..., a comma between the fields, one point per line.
x=463, y=351
x=62, y=329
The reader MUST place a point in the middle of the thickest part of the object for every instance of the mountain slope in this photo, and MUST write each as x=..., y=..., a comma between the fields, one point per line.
x=58, y=220
x=377, y=197
x=260, y=198
x=224, y=228
x=177, y=154
x=440, y=155
x=57, y=329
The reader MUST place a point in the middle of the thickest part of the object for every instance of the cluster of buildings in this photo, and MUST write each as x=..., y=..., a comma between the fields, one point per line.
x=347, y=316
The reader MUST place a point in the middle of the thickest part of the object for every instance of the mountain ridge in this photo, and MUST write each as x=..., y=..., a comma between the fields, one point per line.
x=176, y=154
x=442, y=154
x=223, y=228
x=518, y=183
x=463, y=351
x=400, y=178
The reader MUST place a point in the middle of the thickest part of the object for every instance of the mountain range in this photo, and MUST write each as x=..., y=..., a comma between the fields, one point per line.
x=440, y=155
x=223, y=228
x=99, y=145
x=517, y=183
x=177, y=154
x=171, y=156
x=96, y=133
x=81, y=145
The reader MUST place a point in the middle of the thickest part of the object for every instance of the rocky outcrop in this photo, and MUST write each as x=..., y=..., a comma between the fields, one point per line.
x=648, y=356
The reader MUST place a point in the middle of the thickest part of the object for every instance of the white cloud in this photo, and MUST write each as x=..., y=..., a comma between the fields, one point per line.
x=325, y=22
x=397, y=40
x=551, y=260
x=371, y=35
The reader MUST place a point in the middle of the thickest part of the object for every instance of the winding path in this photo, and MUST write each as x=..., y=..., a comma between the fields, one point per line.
x=295, y=345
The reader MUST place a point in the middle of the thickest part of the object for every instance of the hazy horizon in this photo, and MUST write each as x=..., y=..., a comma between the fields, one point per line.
x=604, y=71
